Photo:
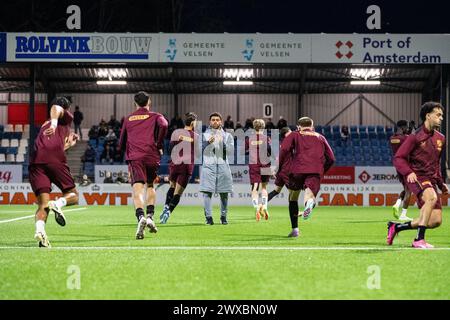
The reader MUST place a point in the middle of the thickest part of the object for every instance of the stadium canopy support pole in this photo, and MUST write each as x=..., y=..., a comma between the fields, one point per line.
x=238, y=107
x=301, y=91
x=32, y=102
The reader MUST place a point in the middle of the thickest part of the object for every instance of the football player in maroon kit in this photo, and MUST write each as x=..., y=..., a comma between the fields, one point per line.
x=142, y=137
x=418, y=159
x=311, y=157
x=48, y=164
x=184, y=147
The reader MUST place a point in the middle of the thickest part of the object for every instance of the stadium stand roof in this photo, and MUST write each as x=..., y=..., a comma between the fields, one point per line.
x=208, y=78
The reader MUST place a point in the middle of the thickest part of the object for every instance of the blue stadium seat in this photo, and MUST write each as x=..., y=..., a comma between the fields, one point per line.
x=11, y=150
x=386, y=157
x=16, y=135
x=370, y=129
x=7, y=135
x=359, y=157
x=336, y=136
x=375, y=143
x=326, y=129
x=353, y=129
x=380, y=129
x=389, y=130
x=365, y=142
x=363, y=135
x=3, y=149
x=356, y=143
x=382, y=136
x=362, y=129
x=328, y=135
x=373, y=135
x=318, y=129
x=361, y=163
x=378, y=163
x=336, y=129
x=92, y=142
x=387, y=163
x=354, y=135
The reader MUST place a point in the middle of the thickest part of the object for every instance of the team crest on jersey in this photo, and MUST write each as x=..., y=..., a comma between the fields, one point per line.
x=139, y=117
x=423, y=144
x=439, y=144
x=395, y=141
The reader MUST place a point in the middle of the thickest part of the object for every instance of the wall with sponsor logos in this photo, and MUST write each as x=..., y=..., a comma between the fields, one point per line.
x=10, y=173
x=223, y=48
x=114, y=194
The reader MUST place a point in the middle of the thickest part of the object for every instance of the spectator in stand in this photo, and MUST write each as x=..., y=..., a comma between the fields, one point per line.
x=269, y=124
x=238, y=126
x=108, y=154
x=248, y=124
x=344, y=133
x=113, y=123
x=175, y=123
x=103, y=130
x=77, y=119
x=85, y=181
x=121, y=178
x=93, y=133
x=108, y=178
x=229, y=124
x=111, y=138
x=282, y=123
x=89, y=155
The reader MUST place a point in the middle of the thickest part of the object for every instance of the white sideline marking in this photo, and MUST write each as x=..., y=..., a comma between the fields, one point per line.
x=31, y=216
x=231, y=248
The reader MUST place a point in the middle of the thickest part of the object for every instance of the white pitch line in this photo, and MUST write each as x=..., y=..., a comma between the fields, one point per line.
x=31, y=216
x=231, y=248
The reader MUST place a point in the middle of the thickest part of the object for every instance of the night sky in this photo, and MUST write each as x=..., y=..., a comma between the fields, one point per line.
x=217, y=16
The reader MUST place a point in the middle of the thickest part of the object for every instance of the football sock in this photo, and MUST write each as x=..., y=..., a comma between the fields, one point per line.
x=255, y=203
x=398, y=202
x=403, y=226
x=61, y=202
x=40, y=226
x=272, y=194
x=404, y=211
x=174, y=202
x=150, y=210
x=169, y=195
x=264, y=202
x=293, y=212
x=421, y=233
x=139, y=213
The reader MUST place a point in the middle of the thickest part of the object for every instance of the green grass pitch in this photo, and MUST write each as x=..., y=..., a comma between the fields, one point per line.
x=334, y=258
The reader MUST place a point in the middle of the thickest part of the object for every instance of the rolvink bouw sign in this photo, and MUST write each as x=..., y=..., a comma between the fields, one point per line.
x=226, y=48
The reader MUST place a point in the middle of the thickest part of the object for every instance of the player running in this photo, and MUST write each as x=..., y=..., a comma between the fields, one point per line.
x=48, y=164
x=396, y=141
x=311, y=158
x=142, y=138
x=183, y=146
x=258, y=147
x=418, y=159
x=282, y=175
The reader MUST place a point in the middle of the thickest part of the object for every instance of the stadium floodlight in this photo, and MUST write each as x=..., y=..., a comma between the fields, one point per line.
x=111, y=82
x=238, y=73
x=113, y=73
x=238, y=83
x=365, y=82
x=364, y=73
